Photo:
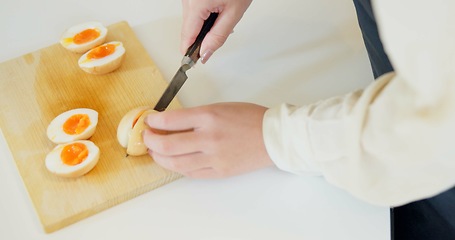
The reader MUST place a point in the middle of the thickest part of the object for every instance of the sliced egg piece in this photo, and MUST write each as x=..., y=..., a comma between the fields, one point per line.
x=103, y=59
x=75, y=124
x=130, y=128
x=83, y=37
x=127, y=123
x=136, y=146
x=72, y=159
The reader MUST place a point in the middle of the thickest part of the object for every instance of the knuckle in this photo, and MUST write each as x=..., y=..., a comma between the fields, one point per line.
x=176, y=165
x=219, y=39
x=208, y=115
x=164, y=120
x=162, y=146
x=191, y=175
x=223, y=172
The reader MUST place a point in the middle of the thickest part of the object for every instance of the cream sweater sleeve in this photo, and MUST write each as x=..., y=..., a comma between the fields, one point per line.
x=394, y=141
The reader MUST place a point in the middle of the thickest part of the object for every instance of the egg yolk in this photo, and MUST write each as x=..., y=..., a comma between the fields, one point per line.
x=86, y=36
x=137, y=118
x=73, y=154
x=76, y=124
x=101, y=51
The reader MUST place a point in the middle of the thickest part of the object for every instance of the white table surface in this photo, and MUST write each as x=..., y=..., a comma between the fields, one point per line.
x=295, y=51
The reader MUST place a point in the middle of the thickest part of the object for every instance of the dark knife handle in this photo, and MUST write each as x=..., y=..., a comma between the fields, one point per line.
x=194, y=50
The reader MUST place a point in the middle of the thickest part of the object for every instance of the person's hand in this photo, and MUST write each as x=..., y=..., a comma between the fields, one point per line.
x=195, y=12
x=213, y=141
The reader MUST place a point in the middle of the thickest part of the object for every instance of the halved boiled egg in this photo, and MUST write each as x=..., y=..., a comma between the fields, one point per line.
x=103, y=59
x=73, y=159
x=75, y=124
x=82, y=37
x=130, y=128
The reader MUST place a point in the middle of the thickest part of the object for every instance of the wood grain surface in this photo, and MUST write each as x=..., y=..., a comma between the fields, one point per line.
x=38, y=86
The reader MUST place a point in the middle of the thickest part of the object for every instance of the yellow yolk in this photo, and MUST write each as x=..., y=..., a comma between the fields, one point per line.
x=101, y=51
x=76, y=124
x=137, y=117
x=84, y=37
x=73, y=154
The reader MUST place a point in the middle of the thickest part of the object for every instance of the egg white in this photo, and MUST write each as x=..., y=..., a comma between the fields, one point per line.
x=81, y=48
x=129, y=136
x=55, y=129
x=136, y=145
x=105, y=64
x=126, y=124
x=55, y=164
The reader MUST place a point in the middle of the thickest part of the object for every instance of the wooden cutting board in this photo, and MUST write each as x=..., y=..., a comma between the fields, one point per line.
x=38, y=86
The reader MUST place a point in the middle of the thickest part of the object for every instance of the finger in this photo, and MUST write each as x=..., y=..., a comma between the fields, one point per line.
x=174, y=120
x=218, y=34
x=216, y=37
x=182, y=163
x=193, y=19
x=172, y=144
x=203, y=173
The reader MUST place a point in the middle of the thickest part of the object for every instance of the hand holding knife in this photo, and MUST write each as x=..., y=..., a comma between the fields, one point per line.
x=188, y=61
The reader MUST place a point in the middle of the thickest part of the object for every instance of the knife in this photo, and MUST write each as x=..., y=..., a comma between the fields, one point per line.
x=188, y=61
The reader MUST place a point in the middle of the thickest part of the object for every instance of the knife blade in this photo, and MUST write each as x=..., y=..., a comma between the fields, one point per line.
x=189, y=60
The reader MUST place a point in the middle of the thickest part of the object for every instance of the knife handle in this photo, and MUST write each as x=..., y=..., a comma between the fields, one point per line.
x=193, y=51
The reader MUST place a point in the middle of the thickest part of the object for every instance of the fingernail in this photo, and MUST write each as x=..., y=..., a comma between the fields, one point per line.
x=206, y=55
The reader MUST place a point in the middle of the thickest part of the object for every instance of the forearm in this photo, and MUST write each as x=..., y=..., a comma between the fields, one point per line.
x=368, y=143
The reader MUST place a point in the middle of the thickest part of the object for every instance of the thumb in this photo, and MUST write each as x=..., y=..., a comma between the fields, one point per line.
x=195, y=12
x=218, y=35
x=215, y=38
